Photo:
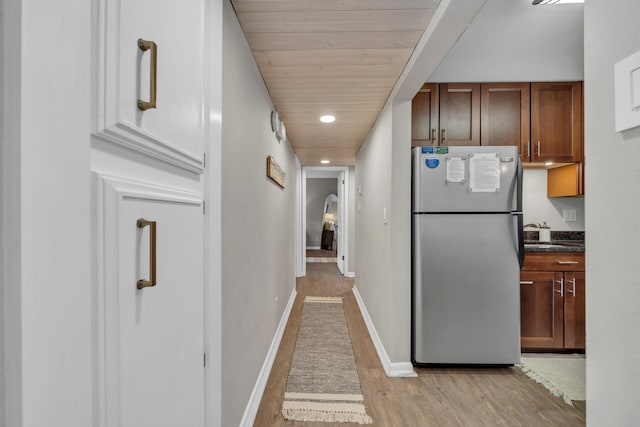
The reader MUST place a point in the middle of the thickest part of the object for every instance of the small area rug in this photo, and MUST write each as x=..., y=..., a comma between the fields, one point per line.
x=323, y=383
x=562, y=374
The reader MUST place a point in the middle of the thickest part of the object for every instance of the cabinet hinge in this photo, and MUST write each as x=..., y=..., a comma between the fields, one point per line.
x=343, y=257
x=204, y=359
x=343, y=182
x=204, y=207
x=204, y=160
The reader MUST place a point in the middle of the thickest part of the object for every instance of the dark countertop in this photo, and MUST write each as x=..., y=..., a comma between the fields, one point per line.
x=561, y=241
x=554, y=246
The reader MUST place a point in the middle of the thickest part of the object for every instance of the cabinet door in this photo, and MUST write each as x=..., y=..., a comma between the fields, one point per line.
x=424, y=116
x=556, y=122
x=505, y=116
x=173, y=131
x=541, y=310
x=151, y=343
x=574, y=310
x=459, y=114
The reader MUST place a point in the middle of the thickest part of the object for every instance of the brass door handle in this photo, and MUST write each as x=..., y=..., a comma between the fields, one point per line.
x=145, y=45
x=142, y=283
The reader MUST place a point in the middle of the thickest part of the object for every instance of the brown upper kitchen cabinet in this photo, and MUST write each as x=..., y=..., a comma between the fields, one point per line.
x=425, y=109
x=459, y=114
x=505, y=109
x=556, y=122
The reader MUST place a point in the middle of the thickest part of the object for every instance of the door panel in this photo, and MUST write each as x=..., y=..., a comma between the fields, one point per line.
x=459, y=114
x=574, y=311
x=556, y=122
x=432, y=192
x=152, y=339
x=506, y=115
x=172, y=132
x=424, y=116
x=465, y=291
x=541, y=310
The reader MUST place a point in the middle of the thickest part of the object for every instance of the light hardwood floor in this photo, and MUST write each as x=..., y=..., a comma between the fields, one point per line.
x=438, y=397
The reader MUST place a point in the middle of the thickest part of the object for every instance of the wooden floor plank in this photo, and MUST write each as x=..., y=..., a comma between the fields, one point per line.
x=438, y=397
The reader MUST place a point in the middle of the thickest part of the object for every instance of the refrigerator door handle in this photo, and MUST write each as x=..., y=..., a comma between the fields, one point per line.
x=519, y=213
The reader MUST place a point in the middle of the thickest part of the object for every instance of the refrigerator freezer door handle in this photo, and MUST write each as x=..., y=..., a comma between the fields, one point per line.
x=519, y=213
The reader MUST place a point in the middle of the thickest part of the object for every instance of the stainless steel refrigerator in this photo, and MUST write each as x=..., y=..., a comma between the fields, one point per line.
x=467, y=253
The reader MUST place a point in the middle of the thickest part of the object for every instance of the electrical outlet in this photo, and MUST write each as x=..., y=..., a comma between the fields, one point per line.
x=568, y=215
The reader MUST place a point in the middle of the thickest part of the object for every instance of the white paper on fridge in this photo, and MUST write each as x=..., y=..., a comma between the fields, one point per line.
x=484, y=171
x=455, y=169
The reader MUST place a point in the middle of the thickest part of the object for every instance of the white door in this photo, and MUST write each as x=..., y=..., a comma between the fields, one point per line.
x=339, y=228
x=148, y=164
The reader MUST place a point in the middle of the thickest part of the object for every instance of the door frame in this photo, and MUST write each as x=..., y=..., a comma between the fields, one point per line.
x=341, y=173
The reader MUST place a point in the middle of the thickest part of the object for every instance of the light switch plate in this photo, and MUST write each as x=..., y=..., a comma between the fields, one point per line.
x=627, y=92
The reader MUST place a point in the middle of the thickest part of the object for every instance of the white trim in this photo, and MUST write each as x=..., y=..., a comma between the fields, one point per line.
x=300, y=235
x=250, y=412
x=350, y=274
x=392, y=369
x=303, y=220
x=338, y=172
x=313, y=248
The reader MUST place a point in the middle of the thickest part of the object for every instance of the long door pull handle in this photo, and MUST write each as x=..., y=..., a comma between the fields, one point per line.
x=142, y=283
x=572, y=291
x=561, y=290
x=145, y=45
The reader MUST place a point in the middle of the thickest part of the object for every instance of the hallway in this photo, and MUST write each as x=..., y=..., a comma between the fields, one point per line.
x=438, y=397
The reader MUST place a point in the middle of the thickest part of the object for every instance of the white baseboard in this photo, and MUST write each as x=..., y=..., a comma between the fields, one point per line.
x=349, y=274
x=251, y=410
x=314, y=248
x=397, y=369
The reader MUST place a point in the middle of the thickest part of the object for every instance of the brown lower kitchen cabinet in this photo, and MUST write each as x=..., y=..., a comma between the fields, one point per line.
x=552, y=302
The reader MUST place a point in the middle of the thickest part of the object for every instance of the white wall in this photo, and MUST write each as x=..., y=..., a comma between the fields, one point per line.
x=317, y=190
x=373, y=252
x=538, y=208
x=46, y=226
x=612, y=221
x=383, y=260
x=258, y=260
x=515, y=41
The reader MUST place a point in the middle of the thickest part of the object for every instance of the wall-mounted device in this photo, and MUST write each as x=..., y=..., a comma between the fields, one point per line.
x=278, y=127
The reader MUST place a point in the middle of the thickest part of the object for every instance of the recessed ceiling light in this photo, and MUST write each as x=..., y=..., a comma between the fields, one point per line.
x=328, y=118
x=325, y=162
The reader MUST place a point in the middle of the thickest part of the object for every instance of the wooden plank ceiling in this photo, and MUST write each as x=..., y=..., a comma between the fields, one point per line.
x=339, y=57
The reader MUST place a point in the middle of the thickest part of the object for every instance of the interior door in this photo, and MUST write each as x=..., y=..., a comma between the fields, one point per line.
x=149, y=163
x=341, y=216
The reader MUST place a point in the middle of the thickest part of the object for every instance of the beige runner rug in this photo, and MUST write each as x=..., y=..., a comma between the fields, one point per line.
x=323, y=383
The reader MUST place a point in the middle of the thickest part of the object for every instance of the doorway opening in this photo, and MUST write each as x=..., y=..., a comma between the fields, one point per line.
x=323, y=211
